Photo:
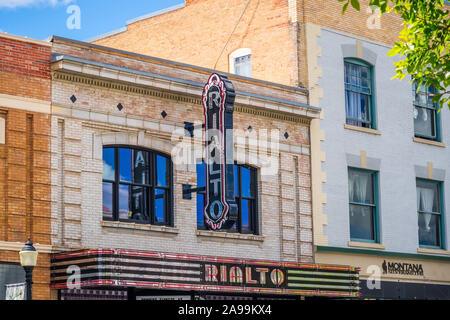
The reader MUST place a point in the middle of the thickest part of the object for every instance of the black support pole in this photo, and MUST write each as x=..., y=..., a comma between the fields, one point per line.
x=29, y=281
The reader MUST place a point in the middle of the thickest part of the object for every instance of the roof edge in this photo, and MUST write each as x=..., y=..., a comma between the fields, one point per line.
x=137, y=19
x=177, y=64
x=25, y=39
x=62, y=57
x=107, y=34
x=157, y=13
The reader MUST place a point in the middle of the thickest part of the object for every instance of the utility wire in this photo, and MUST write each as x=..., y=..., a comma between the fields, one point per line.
x=240, y=18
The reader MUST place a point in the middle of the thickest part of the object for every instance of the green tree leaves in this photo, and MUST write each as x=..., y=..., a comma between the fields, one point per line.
x=423, y=42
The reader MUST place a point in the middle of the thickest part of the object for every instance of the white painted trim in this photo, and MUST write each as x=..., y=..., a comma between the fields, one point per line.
x=23, y=39
x=17, y=246
x=23, y=103
x=236, y=54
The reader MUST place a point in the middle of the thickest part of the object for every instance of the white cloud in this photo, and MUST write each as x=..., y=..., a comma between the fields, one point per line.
x=28, y=3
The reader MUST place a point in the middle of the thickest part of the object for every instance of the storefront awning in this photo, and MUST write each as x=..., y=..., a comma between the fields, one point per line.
x=156, y=270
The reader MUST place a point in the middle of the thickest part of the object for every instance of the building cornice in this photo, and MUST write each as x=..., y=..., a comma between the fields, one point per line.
x=75, y=70
x=174, y=64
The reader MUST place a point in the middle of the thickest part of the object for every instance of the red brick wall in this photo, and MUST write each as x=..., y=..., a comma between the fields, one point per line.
x=25, y=157
x=24, y=69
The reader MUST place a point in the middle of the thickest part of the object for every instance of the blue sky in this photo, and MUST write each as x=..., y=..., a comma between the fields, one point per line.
x=39, y=19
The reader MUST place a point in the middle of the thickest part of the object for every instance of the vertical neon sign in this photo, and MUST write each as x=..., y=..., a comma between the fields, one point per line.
x=218, y=105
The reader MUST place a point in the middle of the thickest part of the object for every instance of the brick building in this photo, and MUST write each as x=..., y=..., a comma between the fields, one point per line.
x=122, y=124
x=373, y=134
x=25, y=94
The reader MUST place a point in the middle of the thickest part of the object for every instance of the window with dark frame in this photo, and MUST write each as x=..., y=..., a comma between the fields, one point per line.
x=363, y=205
x=358, y=94
x=245, y=190
x=429, y=210
x=137, y=185
x=426, y=120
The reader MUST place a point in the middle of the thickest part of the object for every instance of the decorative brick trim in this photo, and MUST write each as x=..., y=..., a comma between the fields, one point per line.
x=283, y=113
x=121, y=86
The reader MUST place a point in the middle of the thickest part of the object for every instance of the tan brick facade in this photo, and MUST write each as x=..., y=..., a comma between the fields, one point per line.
x=196, y=36
x=24, y=155
x=275, y=31
x=80, y=129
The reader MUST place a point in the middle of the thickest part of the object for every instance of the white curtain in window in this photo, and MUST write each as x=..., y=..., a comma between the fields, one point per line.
x=425, y=199
x=354, y=107
x=358, y=188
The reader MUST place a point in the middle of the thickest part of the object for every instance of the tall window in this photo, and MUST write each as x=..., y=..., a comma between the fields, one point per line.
x=241, y=62
x=245, y=195
x=430, y=213
x=426, y=120
x=137, y=185
x=359, y=104
x=362, y=187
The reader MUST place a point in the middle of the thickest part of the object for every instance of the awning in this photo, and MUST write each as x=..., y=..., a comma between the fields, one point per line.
x=142, y=269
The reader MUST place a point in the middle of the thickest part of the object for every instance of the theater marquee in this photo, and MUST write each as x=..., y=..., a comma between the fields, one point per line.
x=142, y=269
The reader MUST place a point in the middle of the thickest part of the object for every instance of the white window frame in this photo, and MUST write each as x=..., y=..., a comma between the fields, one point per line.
x=236, y=54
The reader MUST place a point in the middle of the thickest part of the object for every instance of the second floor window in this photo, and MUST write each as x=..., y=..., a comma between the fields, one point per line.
x=245, y=195
x=426, y=121
x=358, y=94
x=429, y=210
x=137, y=185
x=243, y=66
x=362, y=187
x=241, y=62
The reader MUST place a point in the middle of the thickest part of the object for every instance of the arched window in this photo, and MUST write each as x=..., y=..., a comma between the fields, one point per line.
x=137, y=185
x=359, y=95
x=245, y=191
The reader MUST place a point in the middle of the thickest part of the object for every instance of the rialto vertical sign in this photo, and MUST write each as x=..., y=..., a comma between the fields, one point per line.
x=218, y=105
